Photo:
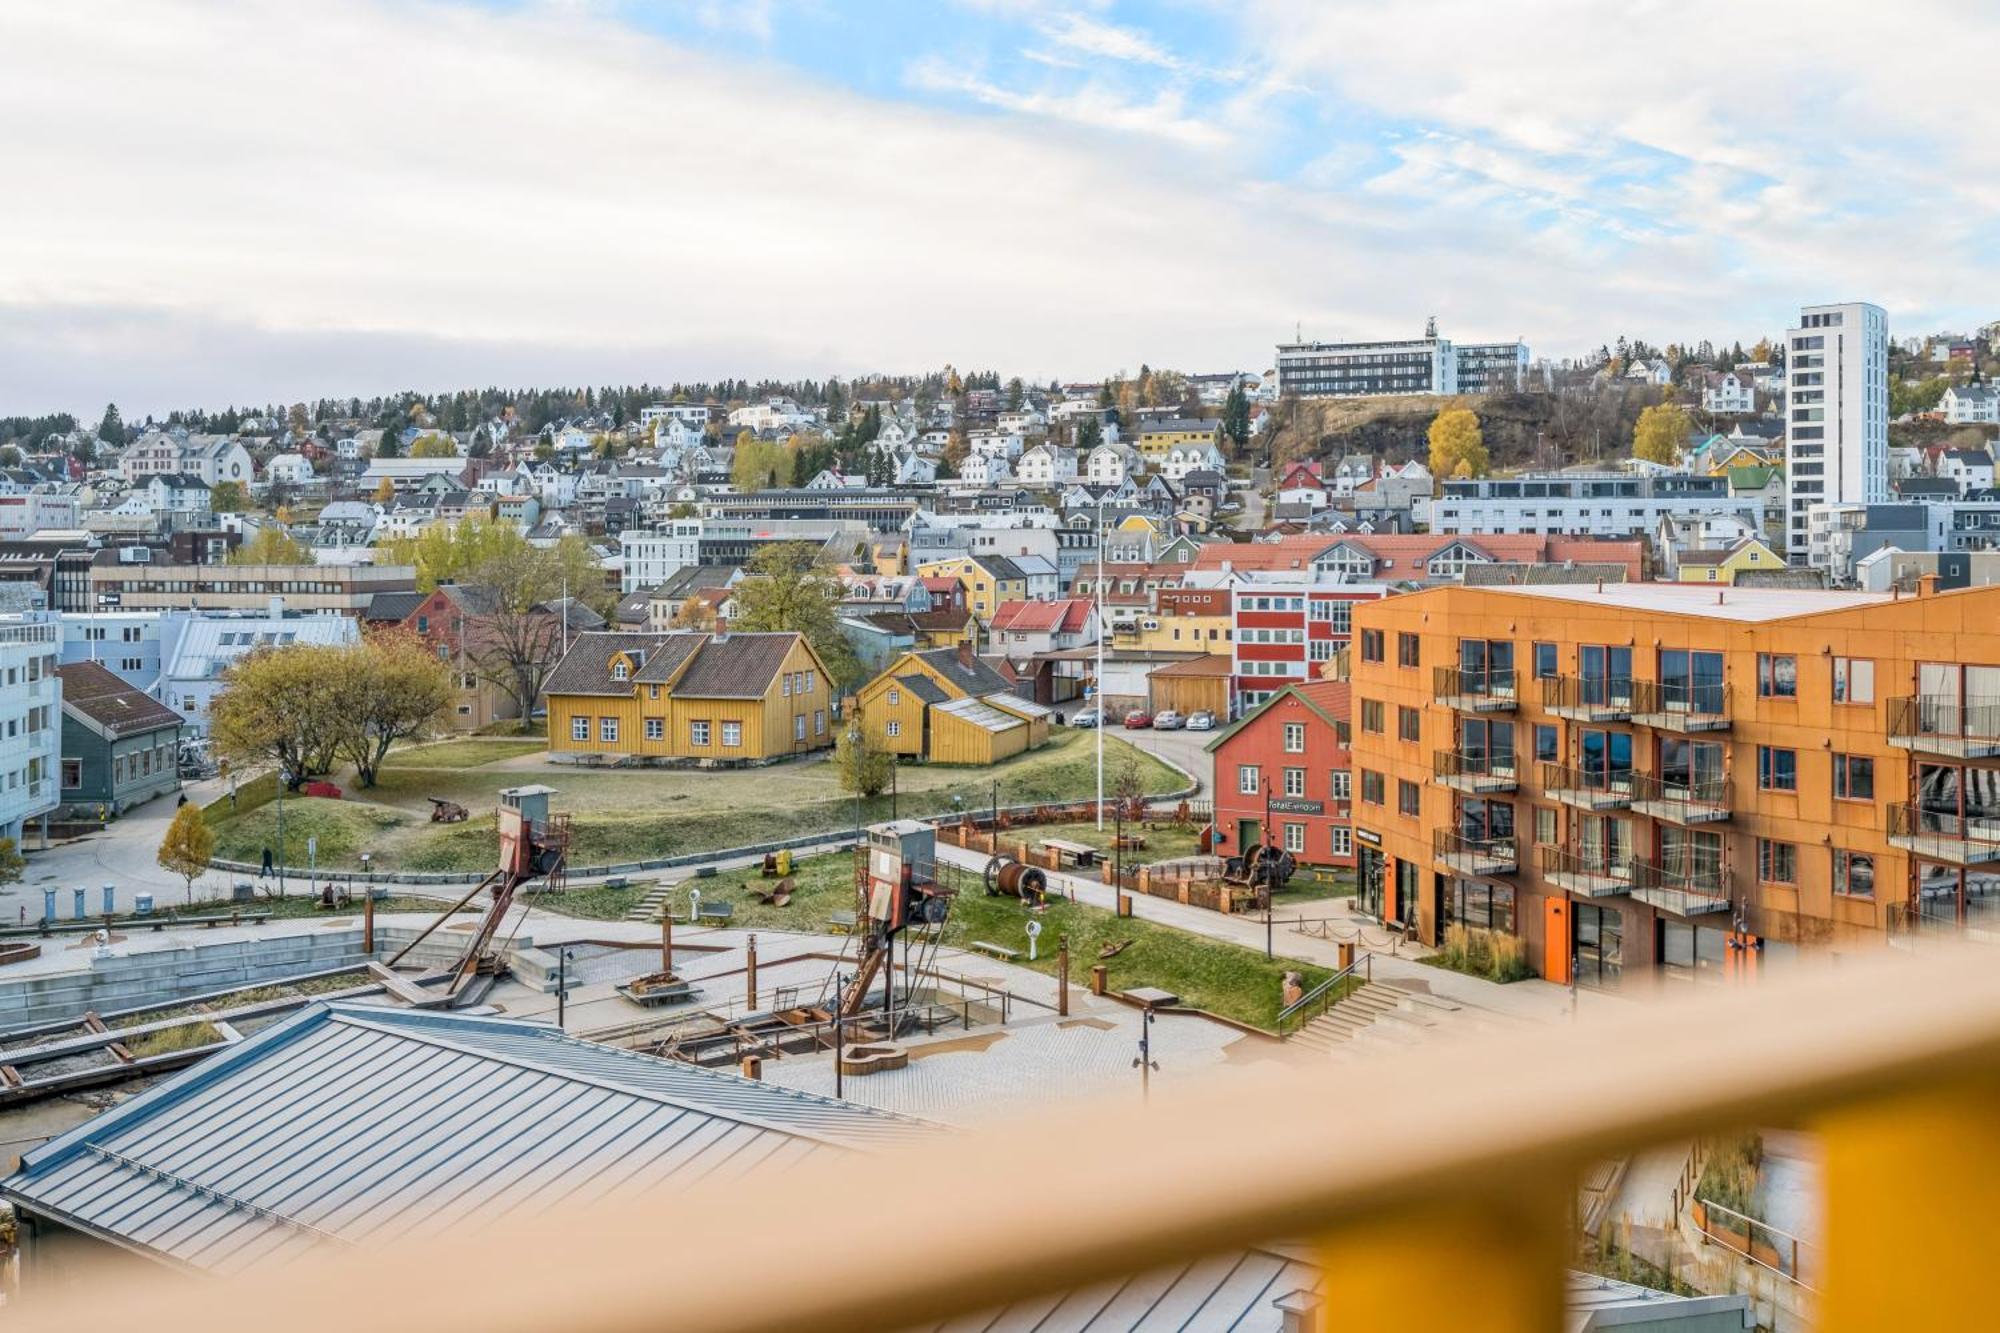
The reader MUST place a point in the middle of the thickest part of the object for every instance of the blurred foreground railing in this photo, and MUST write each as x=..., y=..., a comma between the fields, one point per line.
x=1455, y=1159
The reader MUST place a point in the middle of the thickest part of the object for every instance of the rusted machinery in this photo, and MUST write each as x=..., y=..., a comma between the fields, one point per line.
x=447, y=812
x=895, y=885
x=1007, y=877
x=1263, y=867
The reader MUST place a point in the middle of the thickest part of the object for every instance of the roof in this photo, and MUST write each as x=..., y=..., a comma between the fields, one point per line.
x=1327, y=698
x=393, y=607
x=1234, y=1292
x=92, y=692
x=923, y=687
x=1065, y=616
x=1751, y=605
x=259, y=1154
x=1208, y=664
x=979, y=713
x=725, y=666
x=737, y=665
x=977, y=679
x=1592, y=1303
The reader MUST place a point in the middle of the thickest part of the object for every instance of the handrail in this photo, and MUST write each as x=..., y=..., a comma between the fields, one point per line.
x=1606, y=694
x=1749, y=1229
x=1613, y=782
x=1363, y=965
x=1696, y=700
x=1498, y=765
x=1495, y=683
x=1976, y=718
x=1485, y=1190
x=1711, y=794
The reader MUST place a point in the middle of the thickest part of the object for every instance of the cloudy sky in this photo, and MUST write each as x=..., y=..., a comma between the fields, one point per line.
x=248, y=200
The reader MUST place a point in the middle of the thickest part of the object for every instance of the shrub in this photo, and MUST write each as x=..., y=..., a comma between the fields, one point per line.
x=1729, y=1177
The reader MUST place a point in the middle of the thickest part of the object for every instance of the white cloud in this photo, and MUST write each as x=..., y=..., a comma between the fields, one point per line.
x=1109, y=40
x=1092, y=106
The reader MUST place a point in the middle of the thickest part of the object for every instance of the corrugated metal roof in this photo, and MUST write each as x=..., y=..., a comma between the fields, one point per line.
x=352, y=1123
x=979, y=714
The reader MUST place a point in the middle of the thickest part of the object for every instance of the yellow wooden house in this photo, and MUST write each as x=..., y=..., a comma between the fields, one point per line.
x=988, y=580
x=1720, y=565
x=725, y=698
x=949, y=707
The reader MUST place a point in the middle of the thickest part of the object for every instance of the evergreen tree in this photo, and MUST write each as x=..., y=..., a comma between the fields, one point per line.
x=112, y=428
x=1236, y=416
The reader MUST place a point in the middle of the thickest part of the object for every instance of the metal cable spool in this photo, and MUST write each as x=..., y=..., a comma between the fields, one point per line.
x=1005, y=875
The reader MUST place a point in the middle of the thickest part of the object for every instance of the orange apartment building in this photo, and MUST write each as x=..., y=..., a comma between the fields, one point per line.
x=1682, y=781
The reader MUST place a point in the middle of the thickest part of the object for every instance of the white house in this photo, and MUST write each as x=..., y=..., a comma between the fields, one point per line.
x=778, y=413
x=1048, y=465
x=986, y=469
x=1108, y=464
x=1968, y=469
x=288, y=470
x=995, y=444
x=179, y=493
x=1020, y=421
x=1970, y=405
x=1729, y=394
x=913, y=469
x=1182, y=459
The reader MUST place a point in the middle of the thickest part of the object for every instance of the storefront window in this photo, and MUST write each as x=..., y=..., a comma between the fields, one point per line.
x=1600, y=945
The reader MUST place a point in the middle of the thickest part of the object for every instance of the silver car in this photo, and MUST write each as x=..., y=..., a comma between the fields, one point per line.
x=1201, y=721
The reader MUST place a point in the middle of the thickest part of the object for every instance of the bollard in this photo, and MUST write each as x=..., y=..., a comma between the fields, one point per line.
x=1062, y=977
x=666, y=941
x=110, y=899
x=1124, y=903
x=750, y=974
x=78, y=913
x=368, y=921
x=1100, y=979
x=1346, y=953
x=48, y=905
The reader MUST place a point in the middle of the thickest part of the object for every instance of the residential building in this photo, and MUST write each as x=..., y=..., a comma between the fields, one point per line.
x=653, y=556
x=1489, y=368
x=1020, y=629
x=1836, y=414
x=1359, y=369
x=125, y=643
x=1683, y=781
x=689, y=697
x=948, y=705
x=988, y=581
x=1282, y=776
x=1722, y=564
x=197, y=651
x=120, y=746
x=1156, y=440
x=30, y=716
x=126, y=578
x=1609, y=504
x=1970, y=405
x=1729, y=393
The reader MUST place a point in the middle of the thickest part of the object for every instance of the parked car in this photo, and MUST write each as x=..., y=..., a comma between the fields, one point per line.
x=1168, y=721
x=1138, y=720
x=1201, y=721
x=1084, y=717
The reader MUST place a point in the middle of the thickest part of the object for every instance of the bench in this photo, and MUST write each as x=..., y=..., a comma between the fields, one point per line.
x=840, y=923
x=1000, y=951
x=618, y=882
x=1129, y=842
x=1070, y=853
x=716, y=911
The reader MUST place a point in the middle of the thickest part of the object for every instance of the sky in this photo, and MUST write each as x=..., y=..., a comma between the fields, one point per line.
x=221, y=201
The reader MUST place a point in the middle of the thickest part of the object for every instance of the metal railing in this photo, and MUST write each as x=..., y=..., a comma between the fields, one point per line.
x=1327, y=994
x=1770, y=1248
x=1590, y=698
x=1680, y=705
x=1601, y=788
x=1486, y=770
x=1476, y=856
x=1683, y=886
x=1945, y=834
x=1687, y=800
x=1489, y=1193
x=1584, y=872
x=1969, y=726
x=1474, y=688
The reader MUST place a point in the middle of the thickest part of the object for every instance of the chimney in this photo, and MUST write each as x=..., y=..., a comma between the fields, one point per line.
x=1301, y=1311
x=1927, y=585
x=965, y=655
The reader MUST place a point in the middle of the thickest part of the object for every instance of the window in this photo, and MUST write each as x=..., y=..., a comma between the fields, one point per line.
x=607, y=729
x=1340, y=840
x=895, y=698
x=1371, y=645
x=1371, y=716
x=798, y=726
x=1853, y=777
x=1295, y=782
x=652, y=691
x=1408, y=650
x=1548, y=745
x=1409, y=798
x=1246, y=779
x=579, y=728
x=1853, y=680
x=656, y=728
x=895, y=728
x=1777, y=676
x=819, y=722
x=1371, y=787
x=1854, y=874
x=1295, y=837
x=1409, y=723
x=1777, y=862
x=1545, y=661
x=620, y=671
x=1482, y=906
x=1295, y=738
x=787, y=690
x=698, y=733
x=1777, y=769
x=1546, y=829
x=1340, y=784
x=72, y=773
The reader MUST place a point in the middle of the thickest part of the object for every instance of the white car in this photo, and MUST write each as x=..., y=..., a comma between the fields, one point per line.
x=1201, y=721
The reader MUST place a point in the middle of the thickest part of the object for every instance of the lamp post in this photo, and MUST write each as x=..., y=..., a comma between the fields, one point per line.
x=562, y=985
x=1101, y=626
x=284, y=778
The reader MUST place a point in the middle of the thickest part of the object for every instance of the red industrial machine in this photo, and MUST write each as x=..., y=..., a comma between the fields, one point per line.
x=895, y=885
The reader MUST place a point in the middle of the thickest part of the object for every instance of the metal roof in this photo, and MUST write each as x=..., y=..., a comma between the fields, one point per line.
x=351, y=1123
x=976, y=712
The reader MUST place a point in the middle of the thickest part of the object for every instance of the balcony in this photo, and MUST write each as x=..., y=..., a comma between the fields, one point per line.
x=1945, y=835
x=1679, y=888
x=1587, y=789
x=1478, y=857
x=1681, y=799
x=1475, y=774
x=1474, y=689
x=1589, y=875
x=1961, y=729
x=1680, y=706
x=1587, y=698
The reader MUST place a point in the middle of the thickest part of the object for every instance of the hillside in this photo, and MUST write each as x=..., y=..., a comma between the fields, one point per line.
x=1523, y=429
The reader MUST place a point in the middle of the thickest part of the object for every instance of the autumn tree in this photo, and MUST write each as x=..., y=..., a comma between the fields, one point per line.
x=13, y=865
x=227, y=497
x=272, y=546
x=1660, y=434
x=434, y=446
x=385, y=492
x=390, y=687
x=760, y=465
x=514, y=630
x=864, y=770
x=786, y=588
x=281, y=706
x=1458, y=447
x=187, y=846
x=448, y=552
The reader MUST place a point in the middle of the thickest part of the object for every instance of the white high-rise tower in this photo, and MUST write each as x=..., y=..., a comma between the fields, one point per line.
x=1836, y=412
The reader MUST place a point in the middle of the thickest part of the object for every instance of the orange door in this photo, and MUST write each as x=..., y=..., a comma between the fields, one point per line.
x=1555, y=940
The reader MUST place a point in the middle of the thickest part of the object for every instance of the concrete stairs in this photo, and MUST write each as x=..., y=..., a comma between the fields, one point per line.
x=1382, y=1016
x=647, y=909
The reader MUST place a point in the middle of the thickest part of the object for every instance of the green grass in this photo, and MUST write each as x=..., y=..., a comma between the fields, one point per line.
x=1162, y=844
x=167, y=1040
x=466, y=753
x=626, y=815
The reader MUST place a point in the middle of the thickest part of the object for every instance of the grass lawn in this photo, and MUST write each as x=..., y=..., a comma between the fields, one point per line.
x=1165, y=844
x=634, y=814
x=1207, y=974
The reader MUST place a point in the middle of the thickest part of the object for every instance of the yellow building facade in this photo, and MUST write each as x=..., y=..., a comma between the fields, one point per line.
x=987, y=583
x=948, y=707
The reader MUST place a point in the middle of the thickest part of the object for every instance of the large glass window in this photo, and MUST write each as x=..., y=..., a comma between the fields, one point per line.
x=1483, y=906
x=1853, y=680
x=1692, y=953
x=1777, y=676
x=1691, y=680
x=1854, y=874
x=1853, y=777
x=1777, y=768
x=1606, y=672
x=1370, y=874
x=1600, y=945
x=1545, y=661
x=1605, y=757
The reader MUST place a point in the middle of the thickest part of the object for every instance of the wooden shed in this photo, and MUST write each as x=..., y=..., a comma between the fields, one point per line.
x=1196, y=685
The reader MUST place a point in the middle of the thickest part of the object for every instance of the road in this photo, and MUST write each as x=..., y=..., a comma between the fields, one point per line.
x=1183, y=749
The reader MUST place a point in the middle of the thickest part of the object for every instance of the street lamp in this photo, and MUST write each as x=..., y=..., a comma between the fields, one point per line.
x=562, y=984
x=1098, y=702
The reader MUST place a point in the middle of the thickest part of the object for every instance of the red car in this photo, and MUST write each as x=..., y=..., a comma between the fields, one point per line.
x=1138, y=720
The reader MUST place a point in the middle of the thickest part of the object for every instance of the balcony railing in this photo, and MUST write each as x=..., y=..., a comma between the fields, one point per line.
x=1680, y=800
x=1680, y=705
x=1592, y=874
x=1964, y=729
x=1587, y=698
x=1474, y=689
x=1944, y=835
x=1681, y=887
x=1489, y=1194
x=1587, y=788
x=1485, y=771
x=1475, y=856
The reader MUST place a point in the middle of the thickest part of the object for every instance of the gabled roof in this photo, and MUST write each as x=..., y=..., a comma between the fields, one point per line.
x=243, y=1160
x=1067, y=615
x=976, y=679
x=1328, y=699
x=736, y=665
x=94, y=694
x=386, y=608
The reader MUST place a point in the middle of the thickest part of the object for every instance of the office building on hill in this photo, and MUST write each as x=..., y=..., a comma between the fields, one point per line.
x=1836, y=415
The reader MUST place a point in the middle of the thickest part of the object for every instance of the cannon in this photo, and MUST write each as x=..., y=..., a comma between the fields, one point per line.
x=1006, y=877
x=447, y=812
